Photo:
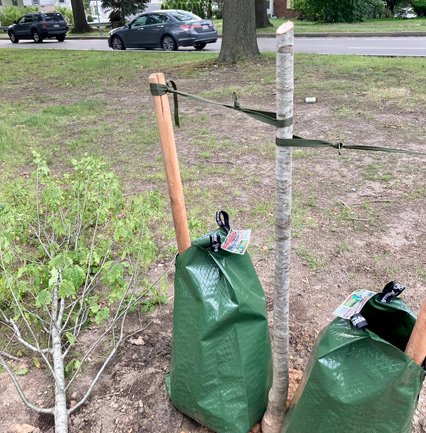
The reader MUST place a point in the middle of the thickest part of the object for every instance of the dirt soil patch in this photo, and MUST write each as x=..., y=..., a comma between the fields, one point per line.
x=358, y=222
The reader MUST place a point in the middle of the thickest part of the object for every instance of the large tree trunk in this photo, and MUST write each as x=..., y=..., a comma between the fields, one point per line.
x=274, y=415
x=80, y=21
x=262, y=20
x=239, y=31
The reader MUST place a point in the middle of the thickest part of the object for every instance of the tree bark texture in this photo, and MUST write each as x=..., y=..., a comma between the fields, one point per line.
x=239, y=40
x=80, y=21
x=262, y=20
x=273, y=418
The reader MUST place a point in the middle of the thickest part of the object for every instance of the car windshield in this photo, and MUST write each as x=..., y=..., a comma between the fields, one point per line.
x=54, y=17
x=184, y=16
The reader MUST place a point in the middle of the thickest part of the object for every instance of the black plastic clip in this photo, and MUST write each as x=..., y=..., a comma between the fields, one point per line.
x=215, y=242
x=390, y=291
x=358, y=320
x=222, y=219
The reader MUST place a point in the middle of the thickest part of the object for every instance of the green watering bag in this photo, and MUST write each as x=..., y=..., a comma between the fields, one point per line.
x=360, y=380
x=221, y=366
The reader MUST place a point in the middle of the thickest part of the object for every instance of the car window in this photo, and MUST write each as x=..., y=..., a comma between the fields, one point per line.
x=28, y=19
x=153, y=19
x=184, y=16
x=21, y=20
x=141, y=21
x=54, y=17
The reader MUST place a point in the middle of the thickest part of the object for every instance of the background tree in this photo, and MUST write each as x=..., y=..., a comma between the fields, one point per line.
x=71, y=255
x=262, y=20
x=123, y=8
x=239, y=31
x=80, y=21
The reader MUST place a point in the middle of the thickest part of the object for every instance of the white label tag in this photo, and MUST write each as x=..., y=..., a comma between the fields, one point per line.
x=237, y=241
x=353, y=303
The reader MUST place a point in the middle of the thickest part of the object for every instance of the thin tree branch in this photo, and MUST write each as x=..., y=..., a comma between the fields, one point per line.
x=24, y=342
x=21, y=392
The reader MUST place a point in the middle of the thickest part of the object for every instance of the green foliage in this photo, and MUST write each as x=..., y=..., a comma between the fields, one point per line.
x=73, y=239
x=202, y=8
x=66, y=13
x=120, y=9
x=339, y=11
x=419, y=7
x=10, y=14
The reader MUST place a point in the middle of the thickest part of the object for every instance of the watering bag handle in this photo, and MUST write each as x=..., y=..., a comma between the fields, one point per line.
x=222, y=219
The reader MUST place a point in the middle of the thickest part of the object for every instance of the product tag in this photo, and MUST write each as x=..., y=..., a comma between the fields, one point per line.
x=353, y=303
x=237, y=241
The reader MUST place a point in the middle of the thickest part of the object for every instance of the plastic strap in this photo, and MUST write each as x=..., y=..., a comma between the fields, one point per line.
x=268, y=117
x=222, y=219
x=301, y=142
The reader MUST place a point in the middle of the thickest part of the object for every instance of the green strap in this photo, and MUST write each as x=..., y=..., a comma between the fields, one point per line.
x=301, y=142
x=263, y=116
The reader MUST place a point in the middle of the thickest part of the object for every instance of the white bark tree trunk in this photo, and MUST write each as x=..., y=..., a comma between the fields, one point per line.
x=61, y=414
x=273, y=418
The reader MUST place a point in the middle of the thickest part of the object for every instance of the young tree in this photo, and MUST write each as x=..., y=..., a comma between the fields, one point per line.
x=262, y=20
x=123, y=8
x=71, y=255
x=80, y=21
x=239, y=31
x=273, y=418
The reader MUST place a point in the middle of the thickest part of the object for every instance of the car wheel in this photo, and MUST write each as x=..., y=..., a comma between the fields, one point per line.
x=13, y=38
x=60, y=38
x=168, y=43
x=117, y=43
x=37, y=38
x=199, y=46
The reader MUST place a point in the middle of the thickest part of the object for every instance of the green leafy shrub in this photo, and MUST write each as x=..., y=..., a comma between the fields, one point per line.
x=66, y=13
x=419, y=7
x=71, y=229
x=349, y=11
x=10, y=14
x=202, y=8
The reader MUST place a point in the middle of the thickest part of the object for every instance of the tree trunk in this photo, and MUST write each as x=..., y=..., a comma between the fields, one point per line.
x=274, y=415
x=61, y=414
x=80, y=21
x=239, y=31
x=262, y=20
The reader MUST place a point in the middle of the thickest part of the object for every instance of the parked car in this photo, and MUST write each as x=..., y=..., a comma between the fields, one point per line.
x=39, y=26
x=407, y=12
x=166, y=29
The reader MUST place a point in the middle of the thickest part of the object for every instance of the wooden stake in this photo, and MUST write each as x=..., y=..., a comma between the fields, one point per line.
x=416, y=347
x=171, y=163
x=274, y=415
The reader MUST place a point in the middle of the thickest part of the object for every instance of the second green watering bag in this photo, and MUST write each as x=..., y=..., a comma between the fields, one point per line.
x=360, y=380
x=221, y=363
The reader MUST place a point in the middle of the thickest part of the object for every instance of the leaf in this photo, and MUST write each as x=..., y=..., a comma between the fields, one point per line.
x=43, y=298
x=54, y=275
x=72, y=339
x=76, y=275
x=22, y=371
x=36, y=362
x=102, y=315
x=66, y=289
x=94, y=308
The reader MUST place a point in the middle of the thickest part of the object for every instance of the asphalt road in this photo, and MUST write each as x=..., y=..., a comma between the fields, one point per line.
x=375, y=46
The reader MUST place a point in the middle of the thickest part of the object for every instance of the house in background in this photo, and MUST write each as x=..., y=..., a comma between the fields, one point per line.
x=284, y=9
x=4, y=3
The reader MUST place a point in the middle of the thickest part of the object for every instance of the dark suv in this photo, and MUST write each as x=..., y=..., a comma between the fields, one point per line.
x=39, y=26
